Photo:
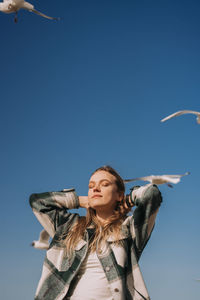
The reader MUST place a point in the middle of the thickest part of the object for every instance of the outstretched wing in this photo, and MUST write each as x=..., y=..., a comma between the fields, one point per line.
x=147, y=178
x=43, y=15
x=168, y=178
x=179, y=175
x=178, y=113
x=159, y=179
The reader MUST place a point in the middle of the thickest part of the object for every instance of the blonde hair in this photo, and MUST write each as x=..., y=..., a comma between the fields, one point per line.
x=101, y=231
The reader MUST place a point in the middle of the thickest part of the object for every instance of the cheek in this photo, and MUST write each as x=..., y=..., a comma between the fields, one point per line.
x=113, y=195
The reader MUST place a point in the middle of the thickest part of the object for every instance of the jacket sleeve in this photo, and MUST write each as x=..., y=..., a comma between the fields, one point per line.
x=147, y=200
x=51, y=208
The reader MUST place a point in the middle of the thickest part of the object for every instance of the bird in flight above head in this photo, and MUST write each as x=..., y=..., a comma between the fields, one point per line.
x=182, y=112
x=43, y=242
x=13, y=6
x=159, y=179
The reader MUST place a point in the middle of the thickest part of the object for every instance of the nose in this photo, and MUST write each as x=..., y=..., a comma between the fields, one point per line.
x=96, y=188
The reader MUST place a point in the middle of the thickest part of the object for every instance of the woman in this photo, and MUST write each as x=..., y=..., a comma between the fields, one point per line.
x=96, y=257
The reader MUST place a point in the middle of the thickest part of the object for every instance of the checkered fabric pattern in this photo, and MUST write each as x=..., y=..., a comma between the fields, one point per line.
x=120, y=263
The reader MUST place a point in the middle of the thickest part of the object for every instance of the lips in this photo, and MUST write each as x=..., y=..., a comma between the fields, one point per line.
x=96, y=196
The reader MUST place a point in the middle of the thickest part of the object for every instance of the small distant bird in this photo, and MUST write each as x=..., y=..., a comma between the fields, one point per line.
x=160, y=179
x=182, y=112
x=43, y=242
x=13, y=6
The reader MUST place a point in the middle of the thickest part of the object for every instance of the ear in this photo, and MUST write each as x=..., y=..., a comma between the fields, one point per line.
x=121, y=197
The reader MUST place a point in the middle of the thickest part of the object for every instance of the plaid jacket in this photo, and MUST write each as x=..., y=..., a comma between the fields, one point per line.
x=120, y=263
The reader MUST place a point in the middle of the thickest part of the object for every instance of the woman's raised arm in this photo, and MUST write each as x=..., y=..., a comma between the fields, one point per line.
x=51, y=208
x=147, y=200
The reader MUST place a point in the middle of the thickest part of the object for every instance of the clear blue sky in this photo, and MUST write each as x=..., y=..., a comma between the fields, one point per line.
x=89, y=90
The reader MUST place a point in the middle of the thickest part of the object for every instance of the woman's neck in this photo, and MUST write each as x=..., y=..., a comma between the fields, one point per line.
x=103, y=216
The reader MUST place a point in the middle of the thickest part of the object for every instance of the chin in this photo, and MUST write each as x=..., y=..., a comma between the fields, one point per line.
x=95, y=206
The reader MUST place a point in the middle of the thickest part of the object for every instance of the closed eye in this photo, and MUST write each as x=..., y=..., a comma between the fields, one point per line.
x=105, y=183
x=102, y=183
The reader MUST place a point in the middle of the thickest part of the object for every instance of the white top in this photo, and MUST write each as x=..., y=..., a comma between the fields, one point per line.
x=91, y=283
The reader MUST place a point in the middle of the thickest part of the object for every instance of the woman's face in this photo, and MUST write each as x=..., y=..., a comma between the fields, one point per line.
x=103, y=192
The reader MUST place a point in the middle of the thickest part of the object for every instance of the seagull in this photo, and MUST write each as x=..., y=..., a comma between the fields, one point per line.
x=160, y=179
x=181, y=112
x=43, y=242
x=13, y=6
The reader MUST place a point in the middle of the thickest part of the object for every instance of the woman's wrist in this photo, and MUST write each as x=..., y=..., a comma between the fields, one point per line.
x=83, y=201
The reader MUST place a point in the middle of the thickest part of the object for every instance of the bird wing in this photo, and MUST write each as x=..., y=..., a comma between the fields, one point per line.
x=158, y=179
x=168, y=178
x=171, y=178
x=179, y=175
x=147, y=178
x=180, y=112
x=44, y=236
x=42, y=15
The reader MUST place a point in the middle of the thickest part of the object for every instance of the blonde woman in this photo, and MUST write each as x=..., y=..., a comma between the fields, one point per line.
x=96, y=256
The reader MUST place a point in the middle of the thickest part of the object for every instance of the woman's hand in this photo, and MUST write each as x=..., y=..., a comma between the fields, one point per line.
x=83, y=201
x=128, y=202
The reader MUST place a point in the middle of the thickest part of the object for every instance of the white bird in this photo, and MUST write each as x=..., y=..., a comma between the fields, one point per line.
x=13, y=6
x=43, y=242
x=181, y=112
x=160, y=179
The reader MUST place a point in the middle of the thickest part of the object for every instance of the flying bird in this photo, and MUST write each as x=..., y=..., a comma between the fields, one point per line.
x=181, y=112
x=13, y=6
x=43, y=242
x=159, y=179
